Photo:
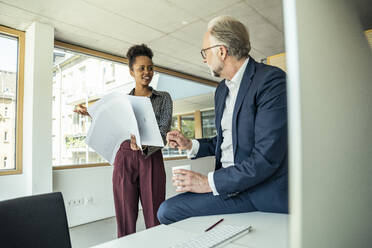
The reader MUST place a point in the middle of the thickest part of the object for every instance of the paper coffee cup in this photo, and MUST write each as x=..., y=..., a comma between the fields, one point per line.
x=185, y=167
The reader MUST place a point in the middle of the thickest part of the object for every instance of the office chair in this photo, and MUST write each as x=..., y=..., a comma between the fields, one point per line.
x=35, y=221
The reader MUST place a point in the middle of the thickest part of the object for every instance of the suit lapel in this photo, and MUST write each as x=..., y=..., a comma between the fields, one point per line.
x=243, y=89
x=220, y=105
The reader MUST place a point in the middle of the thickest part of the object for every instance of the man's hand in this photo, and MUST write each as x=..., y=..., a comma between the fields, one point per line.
x=190, y=181
x=177, y=140
x=81, y=109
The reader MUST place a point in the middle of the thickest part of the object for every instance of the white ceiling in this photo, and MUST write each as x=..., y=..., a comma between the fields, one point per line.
x=172, y=28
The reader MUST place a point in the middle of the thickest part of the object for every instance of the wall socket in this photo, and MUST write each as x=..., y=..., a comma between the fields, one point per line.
x=88, y=200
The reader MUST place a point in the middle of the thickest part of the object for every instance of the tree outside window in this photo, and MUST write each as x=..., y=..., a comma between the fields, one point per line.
x=188, y=126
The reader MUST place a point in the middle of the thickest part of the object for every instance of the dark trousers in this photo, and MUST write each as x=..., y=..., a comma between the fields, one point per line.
x=189, y=204
x=136, y=178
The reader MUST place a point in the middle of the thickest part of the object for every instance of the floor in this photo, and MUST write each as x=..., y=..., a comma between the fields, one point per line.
x=98, y=232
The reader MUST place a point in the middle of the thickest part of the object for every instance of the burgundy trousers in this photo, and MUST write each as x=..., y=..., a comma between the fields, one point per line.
x=136, y=177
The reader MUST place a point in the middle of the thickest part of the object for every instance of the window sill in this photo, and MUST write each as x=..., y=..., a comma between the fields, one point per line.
x=10, y=172
x=79, y=166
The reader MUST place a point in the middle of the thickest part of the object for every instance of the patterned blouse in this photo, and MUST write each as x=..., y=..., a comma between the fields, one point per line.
x=163, y=108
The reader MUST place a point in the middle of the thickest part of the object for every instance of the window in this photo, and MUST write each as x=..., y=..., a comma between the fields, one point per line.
x=187, y=126
x=108, y=72
x=11, y=99
x=6, y=138
x=173, y=152
x=189, y=100
x=5, y=162
x=84, y=78
x=79, y=79
x=208, y=124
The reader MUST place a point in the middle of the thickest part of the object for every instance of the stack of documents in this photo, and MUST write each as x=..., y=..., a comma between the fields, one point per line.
x=115, y=117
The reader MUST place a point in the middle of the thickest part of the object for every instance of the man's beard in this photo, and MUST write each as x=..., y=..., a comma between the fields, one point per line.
x=215, y=74
x=217, y=71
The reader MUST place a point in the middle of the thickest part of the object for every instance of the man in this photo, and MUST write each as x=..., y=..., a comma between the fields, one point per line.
x=251, y=170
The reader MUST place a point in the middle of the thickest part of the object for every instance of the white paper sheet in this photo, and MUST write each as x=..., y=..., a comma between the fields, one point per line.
x=150, y=133
x=115, y=117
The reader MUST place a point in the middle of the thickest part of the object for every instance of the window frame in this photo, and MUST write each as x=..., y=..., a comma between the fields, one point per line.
x=20, y=36
x=123, y=60
x=197, y=121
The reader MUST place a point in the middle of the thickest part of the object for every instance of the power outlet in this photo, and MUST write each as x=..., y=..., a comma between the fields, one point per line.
x=80, y=201
x=88, y=200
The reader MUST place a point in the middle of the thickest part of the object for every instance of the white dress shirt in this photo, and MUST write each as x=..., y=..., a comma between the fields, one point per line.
x=227, y=153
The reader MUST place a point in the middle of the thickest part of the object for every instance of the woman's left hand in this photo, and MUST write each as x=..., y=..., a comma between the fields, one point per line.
x=133, y=144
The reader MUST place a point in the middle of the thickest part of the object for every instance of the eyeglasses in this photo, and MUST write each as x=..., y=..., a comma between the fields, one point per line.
x=204, y=54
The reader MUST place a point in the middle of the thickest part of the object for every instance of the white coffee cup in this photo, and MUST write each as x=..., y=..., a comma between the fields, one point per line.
x=185, y=167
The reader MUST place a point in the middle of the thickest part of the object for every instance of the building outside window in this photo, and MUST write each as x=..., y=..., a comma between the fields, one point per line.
x=5, y=162
x=11, y=81
x=6, y=138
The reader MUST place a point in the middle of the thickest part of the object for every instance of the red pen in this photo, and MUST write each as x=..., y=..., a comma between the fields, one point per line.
x=215, y=224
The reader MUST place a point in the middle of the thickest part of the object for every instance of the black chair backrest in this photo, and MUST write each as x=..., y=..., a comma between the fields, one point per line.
x=34, y=221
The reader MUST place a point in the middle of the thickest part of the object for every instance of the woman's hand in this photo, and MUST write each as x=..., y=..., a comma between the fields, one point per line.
x=133, y=144
x=81, y=109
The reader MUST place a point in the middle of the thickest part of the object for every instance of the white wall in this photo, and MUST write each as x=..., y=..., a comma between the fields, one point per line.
x=37, y=123
x=93, y=186
x=12, y=186
x=330, y=125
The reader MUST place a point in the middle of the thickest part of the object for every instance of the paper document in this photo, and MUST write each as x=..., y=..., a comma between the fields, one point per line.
x=115, y=117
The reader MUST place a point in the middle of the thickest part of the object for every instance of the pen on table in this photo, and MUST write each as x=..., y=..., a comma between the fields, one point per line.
x=215, y=224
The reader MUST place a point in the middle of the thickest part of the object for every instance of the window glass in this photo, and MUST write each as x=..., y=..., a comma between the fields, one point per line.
x=188, y=97
x=8, y=100
x=5, y=165
x=173, y=152
x=6, y=138
x=80, y=79
x=208, y=124
x=187, y=126
x=83, y=79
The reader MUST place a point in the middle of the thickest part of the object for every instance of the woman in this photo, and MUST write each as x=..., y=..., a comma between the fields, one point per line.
x=140, y=174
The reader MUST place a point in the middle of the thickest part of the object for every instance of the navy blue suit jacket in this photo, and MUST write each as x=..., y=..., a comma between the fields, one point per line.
x=259, y=135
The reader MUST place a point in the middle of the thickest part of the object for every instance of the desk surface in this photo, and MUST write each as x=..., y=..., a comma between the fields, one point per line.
x=269, y=230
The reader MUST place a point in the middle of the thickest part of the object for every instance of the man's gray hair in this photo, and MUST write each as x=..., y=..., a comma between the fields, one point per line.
x=230, y=32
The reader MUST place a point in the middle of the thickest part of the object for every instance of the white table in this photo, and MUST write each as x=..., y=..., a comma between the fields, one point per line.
x=269, y=230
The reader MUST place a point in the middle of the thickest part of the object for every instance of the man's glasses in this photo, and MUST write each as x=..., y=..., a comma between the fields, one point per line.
x=203, y=51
